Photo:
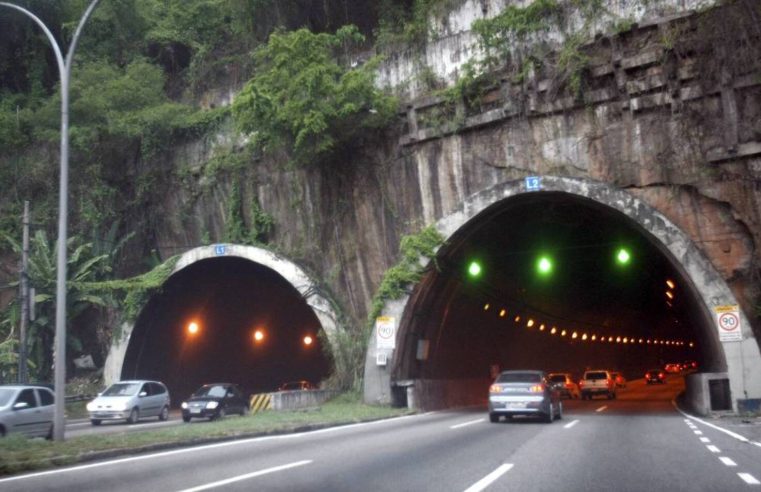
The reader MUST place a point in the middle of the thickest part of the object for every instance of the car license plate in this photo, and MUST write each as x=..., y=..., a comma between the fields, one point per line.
x=195, y=410
x=515, y=404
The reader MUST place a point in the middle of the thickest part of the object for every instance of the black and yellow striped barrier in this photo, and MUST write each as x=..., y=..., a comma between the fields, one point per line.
x=262, y=401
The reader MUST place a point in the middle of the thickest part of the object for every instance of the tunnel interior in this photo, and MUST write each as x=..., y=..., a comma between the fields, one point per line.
x=228, y=299
x=591, y=310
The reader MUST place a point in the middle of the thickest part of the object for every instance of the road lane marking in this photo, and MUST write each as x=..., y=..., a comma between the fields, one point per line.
x=570, y=424
x=247, y=476
x=704, y=439
x=727, y=461
x=713, y=448
x=721, y=429
x=195, y=449
x=489, y=479
x=466, y=424
x=749, y=479
x=601, y=408
x=698, y=433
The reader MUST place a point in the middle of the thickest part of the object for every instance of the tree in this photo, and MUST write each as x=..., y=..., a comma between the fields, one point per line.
x=82, y=267
x=302, y=98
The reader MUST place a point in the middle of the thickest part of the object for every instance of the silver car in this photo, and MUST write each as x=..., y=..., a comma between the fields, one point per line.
x=130, y=401
x=27, y=409
x=524, y=393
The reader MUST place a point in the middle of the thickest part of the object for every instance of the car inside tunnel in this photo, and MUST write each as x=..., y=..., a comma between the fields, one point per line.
x=226, y=319
x=555, y=282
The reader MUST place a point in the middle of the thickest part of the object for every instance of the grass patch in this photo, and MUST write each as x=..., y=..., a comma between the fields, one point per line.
x=18, y=454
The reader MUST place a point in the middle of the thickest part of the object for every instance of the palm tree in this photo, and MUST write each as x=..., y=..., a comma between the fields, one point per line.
x=83, y=267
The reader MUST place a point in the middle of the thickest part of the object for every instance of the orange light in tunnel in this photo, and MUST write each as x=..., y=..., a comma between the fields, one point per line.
x=517, y=318
x=670, y=283
x=563, y=333
x=258, y=336
x=618, y=339
x=541, y=327
x=502, y=313
x=530, y=323
x=692, y=344
x=669, y=294
x=553, y=330
x=584, y=336
x=610, y=339
x=486, y=306
x=574, y=335
x=594, y=337
x=626, y=340
x=308, y=340
x=193, y=328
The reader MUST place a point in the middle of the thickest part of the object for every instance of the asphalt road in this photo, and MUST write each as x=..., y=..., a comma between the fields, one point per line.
x=638, y=442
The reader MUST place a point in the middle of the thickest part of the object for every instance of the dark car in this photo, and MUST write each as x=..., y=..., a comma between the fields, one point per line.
x=655, y=376
x=524, y=393
x=214, y=401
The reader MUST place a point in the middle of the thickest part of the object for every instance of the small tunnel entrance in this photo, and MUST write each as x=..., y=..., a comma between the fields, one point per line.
x=610, y=297
x=229, y=299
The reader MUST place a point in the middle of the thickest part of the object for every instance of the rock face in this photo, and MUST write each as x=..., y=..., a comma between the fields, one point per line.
x=648, y=120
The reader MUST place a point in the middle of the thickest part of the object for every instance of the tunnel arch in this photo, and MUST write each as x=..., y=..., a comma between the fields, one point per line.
x=307, y=289
x=740, y=361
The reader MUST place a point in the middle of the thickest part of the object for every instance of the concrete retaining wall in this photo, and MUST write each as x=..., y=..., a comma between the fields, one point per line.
x=708, y=392
x=293, y=400
x=433, y=394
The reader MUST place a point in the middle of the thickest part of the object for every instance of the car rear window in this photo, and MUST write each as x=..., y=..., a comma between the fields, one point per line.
x=519, y=377
x=596, y=375
x=558, y=378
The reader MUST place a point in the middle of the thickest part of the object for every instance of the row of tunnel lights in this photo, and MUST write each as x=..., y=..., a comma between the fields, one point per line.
x=576, y=335
x=258, y=335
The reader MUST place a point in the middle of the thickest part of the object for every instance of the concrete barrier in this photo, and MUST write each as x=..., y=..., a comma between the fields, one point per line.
x=434, y=394
x=708, y=392
x=262, y=401
x=293, y=400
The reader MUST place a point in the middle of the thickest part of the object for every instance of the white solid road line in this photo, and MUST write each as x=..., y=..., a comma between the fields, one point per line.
x=570, y=424
x=727, y=461
x=737, y=436
x=464, y=424
x=489, y=479
x=247, y=476
x=749, y=479
x=195, y=449
x=601, y=408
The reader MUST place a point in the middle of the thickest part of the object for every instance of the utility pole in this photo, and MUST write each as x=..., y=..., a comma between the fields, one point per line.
x=23, y=376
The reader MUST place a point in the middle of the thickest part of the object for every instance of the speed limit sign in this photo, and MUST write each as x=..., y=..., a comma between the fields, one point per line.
x=728, y=323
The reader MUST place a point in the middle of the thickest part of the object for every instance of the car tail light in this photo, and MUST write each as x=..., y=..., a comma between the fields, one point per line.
x=581, y=383
x=661, y=375
x=495, y=388
x=537, y=388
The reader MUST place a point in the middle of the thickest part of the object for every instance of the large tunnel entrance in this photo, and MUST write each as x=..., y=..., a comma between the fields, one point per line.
x=229, y=299
x=564, y=285
x=574, y=276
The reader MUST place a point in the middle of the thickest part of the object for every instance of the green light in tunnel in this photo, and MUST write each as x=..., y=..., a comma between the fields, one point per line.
x=544, y=265
x=623, y=257
x=474, y=269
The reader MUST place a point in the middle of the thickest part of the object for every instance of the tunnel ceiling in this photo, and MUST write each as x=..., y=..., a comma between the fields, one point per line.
x=229, y=298
x=587, y=291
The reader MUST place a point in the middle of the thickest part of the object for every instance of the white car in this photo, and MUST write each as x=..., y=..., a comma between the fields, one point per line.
x=130, y=401
x=27, y=409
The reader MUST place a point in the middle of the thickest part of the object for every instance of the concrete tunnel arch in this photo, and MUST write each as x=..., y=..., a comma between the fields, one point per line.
x=739, y=362
x=307, y=288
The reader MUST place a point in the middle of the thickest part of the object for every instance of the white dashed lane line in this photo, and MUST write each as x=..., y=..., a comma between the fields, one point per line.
x=570, y=424
x=749, y=479
x=465, y=424
x=727, y=461
x=602, y=408
x=746, y=477
x=489, y=479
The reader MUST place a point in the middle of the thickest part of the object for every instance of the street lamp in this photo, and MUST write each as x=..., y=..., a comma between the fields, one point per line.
x=64, y=70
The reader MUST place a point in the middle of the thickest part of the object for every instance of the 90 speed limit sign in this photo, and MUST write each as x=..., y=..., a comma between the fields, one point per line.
x=728, y=323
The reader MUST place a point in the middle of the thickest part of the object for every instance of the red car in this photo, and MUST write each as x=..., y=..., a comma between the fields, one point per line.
x=655, y=376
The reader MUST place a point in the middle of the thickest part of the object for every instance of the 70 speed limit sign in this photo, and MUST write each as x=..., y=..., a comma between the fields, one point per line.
x=728, y=323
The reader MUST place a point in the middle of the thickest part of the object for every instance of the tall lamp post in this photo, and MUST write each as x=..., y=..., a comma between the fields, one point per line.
x=64, y=70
